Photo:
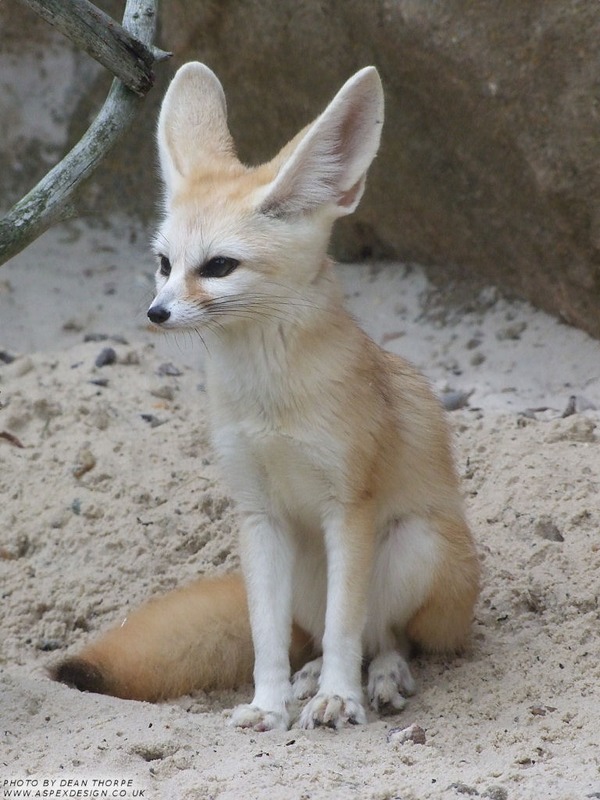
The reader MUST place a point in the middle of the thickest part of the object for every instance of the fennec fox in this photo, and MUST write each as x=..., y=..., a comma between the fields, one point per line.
x=353, y=540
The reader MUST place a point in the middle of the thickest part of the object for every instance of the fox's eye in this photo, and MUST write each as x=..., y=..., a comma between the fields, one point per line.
x=165, y=266
x=218, y=267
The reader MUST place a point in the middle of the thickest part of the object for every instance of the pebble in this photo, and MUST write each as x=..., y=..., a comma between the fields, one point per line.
x=6, y=358
x=462, y=788
x=46, y=410
x=86, y=461
x=548, y=529
x=169, y=369
x=452, y=401
x=512, y=332
x=152, y=420
x=496, y=793
x=488, y=297
x=104, y=337
x=49, y=645
x=164, y=392
x=106, y=357
x=577, y=404
x=131, y=359
x=414, y=733
x=541, y=711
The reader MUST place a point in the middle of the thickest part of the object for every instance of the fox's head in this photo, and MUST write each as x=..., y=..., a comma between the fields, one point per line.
x=237, y=239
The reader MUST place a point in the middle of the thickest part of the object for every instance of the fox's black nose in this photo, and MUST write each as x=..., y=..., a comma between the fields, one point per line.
x=158, y=314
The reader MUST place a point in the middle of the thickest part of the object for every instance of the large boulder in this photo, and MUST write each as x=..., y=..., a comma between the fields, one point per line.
x=490, y=159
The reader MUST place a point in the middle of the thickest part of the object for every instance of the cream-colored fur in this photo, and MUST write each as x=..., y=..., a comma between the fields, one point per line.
x=336, y=452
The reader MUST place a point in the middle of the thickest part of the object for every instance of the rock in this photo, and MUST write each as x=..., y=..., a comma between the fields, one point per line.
x=462, y=788
x=169, y=369
x=106, y=357
x=6, y=358
x=548, y=529
x=452, y=401
x=163, y=392
x=496, y=793
x=85, y=462
x=414, y=733
x=490, y=148
x=513, y=331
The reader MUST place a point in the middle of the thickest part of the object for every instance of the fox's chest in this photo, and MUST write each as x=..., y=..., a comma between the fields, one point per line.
x=285, y=472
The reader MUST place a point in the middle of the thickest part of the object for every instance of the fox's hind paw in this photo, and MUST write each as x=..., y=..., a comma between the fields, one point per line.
x=251, y=716
x=305, y=682
x=389, y=683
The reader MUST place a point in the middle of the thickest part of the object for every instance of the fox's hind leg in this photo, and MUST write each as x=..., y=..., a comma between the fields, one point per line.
x=423, y=588
x=305, y=682
x=443, y=621
x=390, y=682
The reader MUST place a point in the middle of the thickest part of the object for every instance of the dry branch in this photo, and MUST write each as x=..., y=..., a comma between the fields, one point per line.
x=127, y=57
x=52, y=199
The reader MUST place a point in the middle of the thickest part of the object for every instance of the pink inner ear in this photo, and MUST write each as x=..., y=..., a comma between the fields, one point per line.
x=351, y=196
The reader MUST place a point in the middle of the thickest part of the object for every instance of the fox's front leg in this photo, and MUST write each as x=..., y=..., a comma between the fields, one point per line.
x=349, y=542
x=267, y=564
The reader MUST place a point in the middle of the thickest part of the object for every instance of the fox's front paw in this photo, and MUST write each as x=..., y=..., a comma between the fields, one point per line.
x=251, y=716
x=389, y=683
x=305, y=682
x=332, y=711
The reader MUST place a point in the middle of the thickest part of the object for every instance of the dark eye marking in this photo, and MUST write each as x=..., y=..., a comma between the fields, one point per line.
x=165, y=266
x=218, y=267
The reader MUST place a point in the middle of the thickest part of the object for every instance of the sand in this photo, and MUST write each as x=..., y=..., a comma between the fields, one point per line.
x=110, y=495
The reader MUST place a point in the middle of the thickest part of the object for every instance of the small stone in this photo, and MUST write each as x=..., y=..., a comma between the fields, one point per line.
x=496, y=793
x=95, y=337
x=46, y=410
x=571, y=407
x=414, y=733
x=547, y=529
x=169, y=369
x=477, y=359
x=452, y=401
x=49, y=645
x=86, y=461
x=488, y=297
x=511, y=332
x=6, y=358
x=462, y=788
x=534, y=601
x=60, y=521
x=153, y=421
x=164, y=392
x=106, y=357
x=131, y=359
x=73, y=325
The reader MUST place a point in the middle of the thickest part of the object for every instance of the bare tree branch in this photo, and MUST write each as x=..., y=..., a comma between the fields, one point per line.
x=52, y=199
x=129, y=59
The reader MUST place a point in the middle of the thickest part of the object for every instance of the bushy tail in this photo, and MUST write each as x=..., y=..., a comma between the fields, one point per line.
x=196, y=637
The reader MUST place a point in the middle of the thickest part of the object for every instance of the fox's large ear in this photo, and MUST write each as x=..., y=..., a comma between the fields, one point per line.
x=192, y=125
x=328, y=164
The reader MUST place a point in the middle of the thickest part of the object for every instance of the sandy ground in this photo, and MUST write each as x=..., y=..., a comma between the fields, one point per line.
x=109, y=495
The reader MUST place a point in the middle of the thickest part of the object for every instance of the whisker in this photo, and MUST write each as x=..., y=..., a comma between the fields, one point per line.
x=159, y=243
